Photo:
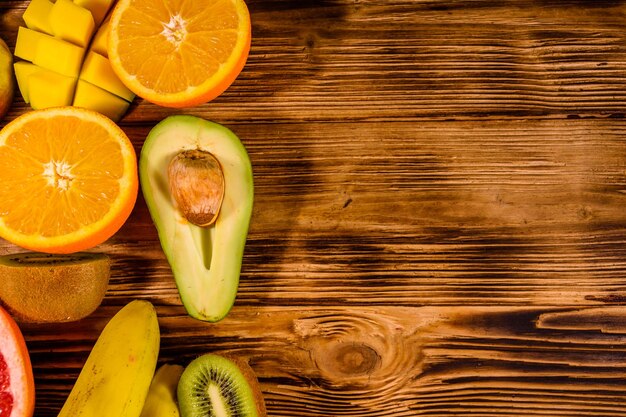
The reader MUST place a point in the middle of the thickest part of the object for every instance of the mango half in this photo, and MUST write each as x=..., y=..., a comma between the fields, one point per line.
x=64, y=59
x=205, y=261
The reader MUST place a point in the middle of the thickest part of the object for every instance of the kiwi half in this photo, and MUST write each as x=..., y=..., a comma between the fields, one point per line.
x=44, y=288
x=216, y=386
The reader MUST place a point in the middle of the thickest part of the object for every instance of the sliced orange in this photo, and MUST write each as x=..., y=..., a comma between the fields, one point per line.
x=179, y=53
x=68, y=180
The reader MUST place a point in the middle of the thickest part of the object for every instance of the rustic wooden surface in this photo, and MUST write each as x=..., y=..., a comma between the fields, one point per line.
x=439, y=224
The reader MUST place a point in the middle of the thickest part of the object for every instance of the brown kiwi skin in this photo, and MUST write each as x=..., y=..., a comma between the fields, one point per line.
x=253, y=381
x=32, y=293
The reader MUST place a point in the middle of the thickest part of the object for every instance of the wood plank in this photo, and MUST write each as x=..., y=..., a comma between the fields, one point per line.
x=376, y=61
x=509, y=212
x=525, y=212
x=483, y=213
x=387, y=361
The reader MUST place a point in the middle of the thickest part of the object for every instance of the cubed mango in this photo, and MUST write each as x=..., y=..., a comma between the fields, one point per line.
x=56, y=71
x=95, y=98
x=37, y=16
x=98, y=71
x=27, y=43
x=98, y=8
x=58, y=55
x=48, y=89
x=23, y=70
x=72, y=23
x=100, y=40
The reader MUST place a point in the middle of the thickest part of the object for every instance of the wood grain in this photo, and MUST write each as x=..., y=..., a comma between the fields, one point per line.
x=399, y=361
x=484, y=212
x=396, y=60
x=438, y=226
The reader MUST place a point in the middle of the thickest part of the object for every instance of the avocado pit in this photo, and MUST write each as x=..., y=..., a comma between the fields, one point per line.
x=196, y=182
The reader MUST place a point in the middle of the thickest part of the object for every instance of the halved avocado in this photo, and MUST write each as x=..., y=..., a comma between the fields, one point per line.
x=205, y=261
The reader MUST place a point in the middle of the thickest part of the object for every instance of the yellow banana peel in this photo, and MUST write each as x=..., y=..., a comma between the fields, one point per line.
x=116, y=377
x=161, y=400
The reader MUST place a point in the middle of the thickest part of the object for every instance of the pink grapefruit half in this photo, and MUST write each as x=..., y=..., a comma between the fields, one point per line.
x=17, y=385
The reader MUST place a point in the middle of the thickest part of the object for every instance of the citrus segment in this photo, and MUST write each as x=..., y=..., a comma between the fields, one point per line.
x=179, y=53
x=17, y=386
x=68, y=180
x=6, y=399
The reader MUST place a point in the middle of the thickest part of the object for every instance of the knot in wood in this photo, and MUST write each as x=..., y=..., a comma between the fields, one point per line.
x=355, y=358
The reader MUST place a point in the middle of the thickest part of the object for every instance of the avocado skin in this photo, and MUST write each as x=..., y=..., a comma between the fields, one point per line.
x=205, y=262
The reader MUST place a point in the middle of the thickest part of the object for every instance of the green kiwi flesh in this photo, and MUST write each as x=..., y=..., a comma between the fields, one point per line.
x=216, y=386
x=45, y=288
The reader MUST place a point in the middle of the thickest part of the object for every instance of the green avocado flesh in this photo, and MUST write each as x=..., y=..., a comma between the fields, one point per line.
x=205, y=261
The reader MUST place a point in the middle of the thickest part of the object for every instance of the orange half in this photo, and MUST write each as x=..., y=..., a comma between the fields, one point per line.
x=68, y=180
x=179, y=53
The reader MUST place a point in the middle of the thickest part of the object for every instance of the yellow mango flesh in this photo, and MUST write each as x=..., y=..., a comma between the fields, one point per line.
x=59, y=56
x=57, y=69
x=49, y=89
x=98, y=8
x=23, y=70
x=99, y=43
x=95, y=98
x=36, y=16
x=98, y=71
x=27, y=42
x=71, y=23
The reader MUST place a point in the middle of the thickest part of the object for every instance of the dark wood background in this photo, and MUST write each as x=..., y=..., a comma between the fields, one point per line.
x=439, y=225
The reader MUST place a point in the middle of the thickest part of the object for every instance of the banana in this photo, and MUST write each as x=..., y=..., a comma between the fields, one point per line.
x=116, y=377
x=161, y=400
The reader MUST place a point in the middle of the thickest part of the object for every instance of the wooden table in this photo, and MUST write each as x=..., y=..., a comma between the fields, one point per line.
x=439, y=225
